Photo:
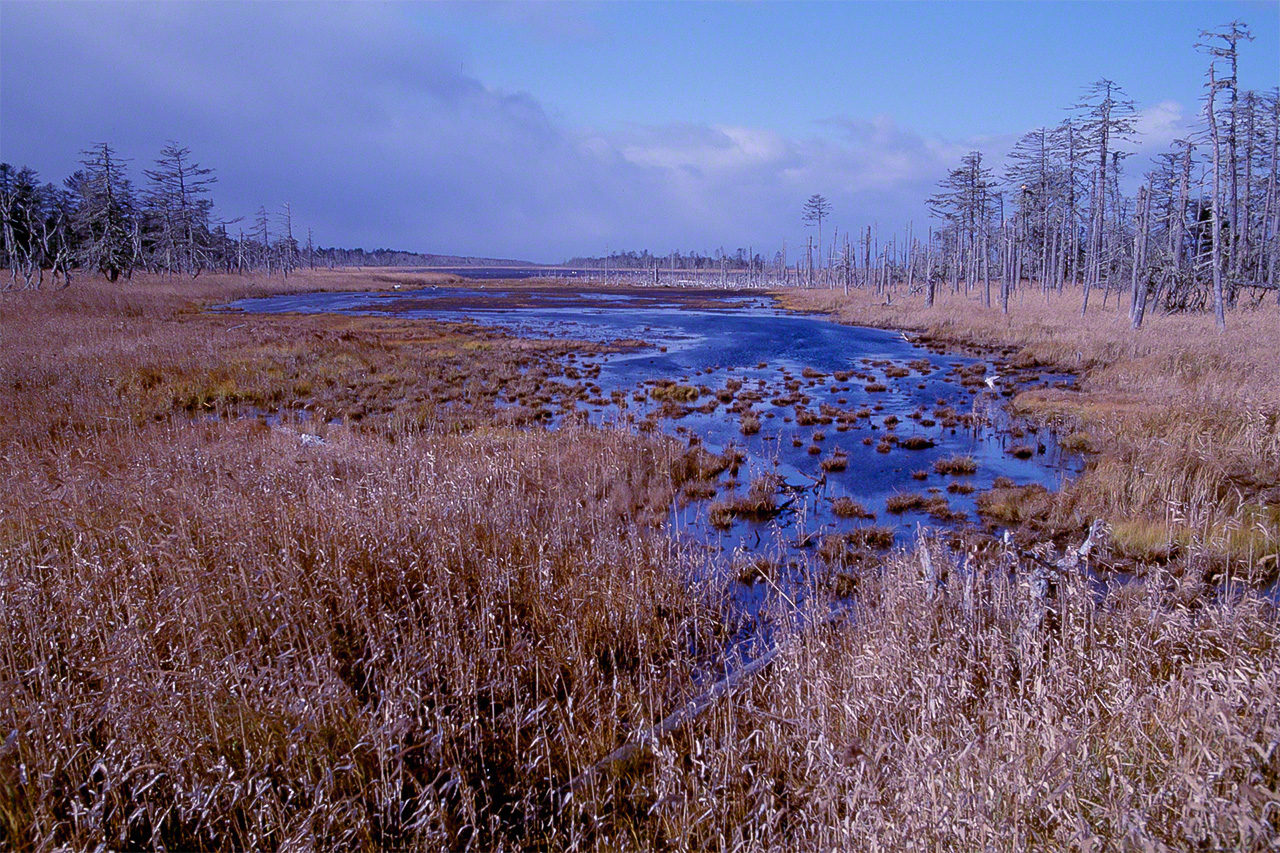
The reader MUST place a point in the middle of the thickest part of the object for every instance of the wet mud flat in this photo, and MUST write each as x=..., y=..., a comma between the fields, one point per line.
x=814, y=447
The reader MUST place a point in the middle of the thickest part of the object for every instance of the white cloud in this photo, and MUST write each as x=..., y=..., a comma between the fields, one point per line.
x=1160, y=124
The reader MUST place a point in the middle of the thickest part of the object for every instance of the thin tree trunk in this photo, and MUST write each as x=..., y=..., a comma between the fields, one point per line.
x=1219, y=315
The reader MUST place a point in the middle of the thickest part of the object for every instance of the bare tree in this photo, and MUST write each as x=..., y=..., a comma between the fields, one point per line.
x=1213, y=86
x=1107, y=116
x=816, y=209
x=965, y=202
x=180, y=209
x=104, y=219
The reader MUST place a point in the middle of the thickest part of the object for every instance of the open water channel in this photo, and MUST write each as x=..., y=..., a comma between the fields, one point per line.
x=843, y=412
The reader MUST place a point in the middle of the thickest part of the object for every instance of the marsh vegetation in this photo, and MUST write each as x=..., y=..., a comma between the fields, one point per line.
x=291, y=580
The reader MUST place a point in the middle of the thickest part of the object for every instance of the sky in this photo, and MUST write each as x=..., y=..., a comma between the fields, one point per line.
x=544, y=130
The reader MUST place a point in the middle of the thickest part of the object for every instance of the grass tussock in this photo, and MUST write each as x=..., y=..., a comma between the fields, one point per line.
x=1012, y=505
x=673, y=392
x=836, y=462
x=846, y=507
x=759, y=503
x=958, y=465
x=900, y=502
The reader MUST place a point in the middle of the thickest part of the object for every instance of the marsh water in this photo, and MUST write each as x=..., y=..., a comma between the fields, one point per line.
x=820, y=391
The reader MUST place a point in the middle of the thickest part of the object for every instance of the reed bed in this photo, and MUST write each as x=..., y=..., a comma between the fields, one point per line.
x=977, y=716
x=1182, y=422
x=414, y=627
x=223, y=634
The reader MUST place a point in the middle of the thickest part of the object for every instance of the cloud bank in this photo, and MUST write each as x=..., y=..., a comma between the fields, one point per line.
x=369, y=127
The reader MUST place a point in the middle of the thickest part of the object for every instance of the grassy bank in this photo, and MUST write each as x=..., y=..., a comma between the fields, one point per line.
x=1182, y=422
x=405, y=627
x=412, y=626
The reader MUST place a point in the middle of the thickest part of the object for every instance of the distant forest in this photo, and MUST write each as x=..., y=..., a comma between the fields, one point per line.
x=96, y=220
x=738, y=261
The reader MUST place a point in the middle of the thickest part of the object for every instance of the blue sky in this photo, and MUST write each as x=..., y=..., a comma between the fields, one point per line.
x=544, y=130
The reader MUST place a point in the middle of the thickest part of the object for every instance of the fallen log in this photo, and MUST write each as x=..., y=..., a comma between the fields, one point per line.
x=688, y=712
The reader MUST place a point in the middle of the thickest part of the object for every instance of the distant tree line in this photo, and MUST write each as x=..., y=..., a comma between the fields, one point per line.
x=400, y=258
x=1201, y=232
x=97, y=220
x=738, y=261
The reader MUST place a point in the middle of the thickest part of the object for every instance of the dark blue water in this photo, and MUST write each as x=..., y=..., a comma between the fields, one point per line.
x=763, y=348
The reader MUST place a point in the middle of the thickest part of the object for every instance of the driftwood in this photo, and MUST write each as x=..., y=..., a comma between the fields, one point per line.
x=1044, y=579
x=685, y=714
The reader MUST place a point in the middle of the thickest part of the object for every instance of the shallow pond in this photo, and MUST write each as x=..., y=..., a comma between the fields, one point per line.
x=838, y=407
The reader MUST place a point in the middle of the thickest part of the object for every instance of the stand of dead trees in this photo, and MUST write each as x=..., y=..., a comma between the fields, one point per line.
x=1202, y=232
x=97, y=221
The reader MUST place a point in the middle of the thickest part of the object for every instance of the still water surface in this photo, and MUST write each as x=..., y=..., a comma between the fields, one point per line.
x=726, y=339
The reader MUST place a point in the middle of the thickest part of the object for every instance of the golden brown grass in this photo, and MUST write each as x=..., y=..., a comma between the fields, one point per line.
x=217, y=635
x=1184, y=420
x=969, y=722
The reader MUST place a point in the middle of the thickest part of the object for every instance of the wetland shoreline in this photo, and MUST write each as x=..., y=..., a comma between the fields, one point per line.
x=418, y=629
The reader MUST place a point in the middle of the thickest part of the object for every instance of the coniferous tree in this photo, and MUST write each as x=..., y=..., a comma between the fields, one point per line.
x=105, y=214
x=816, y=209
x=180, y=210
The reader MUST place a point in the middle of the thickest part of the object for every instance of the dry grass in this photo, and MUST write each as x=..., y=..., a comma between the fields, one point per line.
x=1015, y=505
x=957, y=464
x=216, y=635
x=1184, y=421
x=413, y=633
x=846, y=507
x=760, y=502
x=970, y=722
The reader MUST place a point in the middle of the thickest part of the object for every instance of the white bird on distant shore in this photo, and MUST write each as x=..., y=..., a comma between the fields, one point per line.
x=991, y=380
